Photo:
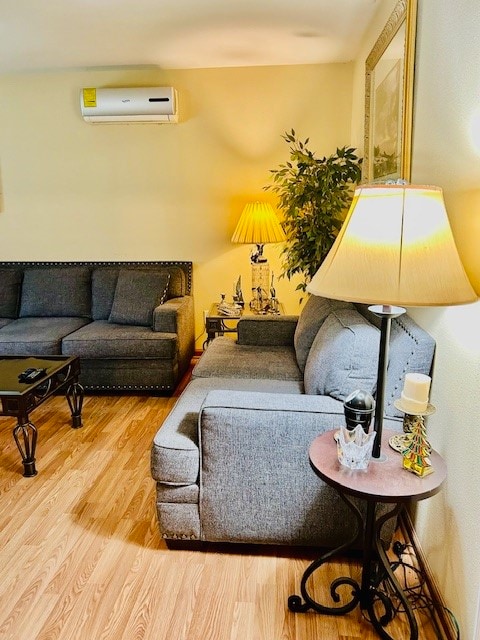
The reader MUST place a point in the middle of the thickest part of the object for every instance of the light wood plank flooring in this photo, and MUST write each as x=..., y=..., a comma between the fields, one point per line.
x=81, y=556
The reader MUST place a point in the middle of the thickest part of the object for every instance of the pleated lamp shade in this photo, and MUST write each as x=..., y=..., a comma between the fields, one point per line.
x=395, y=248
x=258, y=224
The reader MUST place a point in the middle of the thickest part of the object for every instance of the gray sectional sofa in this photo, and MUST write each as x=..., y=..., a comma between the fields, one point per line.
x=131, y=323
x=231, y=460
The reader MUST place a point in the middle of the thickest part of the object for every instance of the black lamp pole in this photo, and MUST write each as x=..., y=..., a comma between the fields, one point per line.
x=386, y=313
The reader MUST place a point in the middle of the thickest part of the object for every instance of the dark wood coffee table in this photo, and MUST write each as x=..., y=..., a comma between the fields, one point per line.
x=18, y=399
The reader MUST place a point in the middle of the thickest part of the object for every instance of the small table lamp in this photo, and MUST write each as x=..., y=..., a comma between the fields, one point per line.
x=258, y=225
x=395, y=248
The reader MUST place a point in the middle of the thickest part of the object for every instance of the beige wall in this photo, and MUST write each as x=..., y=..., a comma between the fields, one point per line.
x=74, y=191
x=446, y=152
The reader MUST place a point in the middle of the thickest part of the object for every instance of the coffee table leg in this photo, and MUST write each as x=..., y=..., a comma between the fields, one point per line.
x=25, y=435
x=74, y=395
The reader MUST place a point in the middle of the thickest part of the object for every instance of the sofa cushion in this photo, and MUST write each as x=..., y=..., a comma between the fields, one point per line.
x=36, y=336
x=10, y=280
x=225, y=358
x=103, y=339
x=311, y=319
x=343, y=356
x=56, y=292
x=136, y=295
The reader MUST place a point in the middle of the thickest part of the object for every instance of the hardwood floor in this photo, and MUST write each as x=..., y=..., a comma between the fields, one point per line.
x=81, y=557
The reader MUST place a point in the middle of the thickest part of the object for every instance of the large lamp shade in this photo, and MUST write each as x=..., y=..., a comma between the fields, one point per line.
x=395, y=247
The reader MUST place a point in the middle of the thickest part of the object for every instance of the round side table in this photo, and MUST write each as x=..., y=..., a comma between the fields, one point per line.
x=383, y=482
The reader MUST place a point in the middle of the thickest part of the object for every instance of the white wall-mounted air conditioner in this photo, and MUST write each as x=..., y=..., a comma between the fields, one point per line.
x=129, y=105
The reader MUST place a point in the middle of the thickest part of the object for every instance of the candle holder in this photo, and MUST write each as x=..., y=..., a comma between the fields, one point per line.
x=400, y=442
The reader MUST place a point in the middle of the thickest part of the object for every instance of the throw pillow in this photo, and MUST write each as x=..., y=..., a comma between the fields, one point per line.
x=343, y=356
x=136, y=295
x=311, y=319
x=104, y=281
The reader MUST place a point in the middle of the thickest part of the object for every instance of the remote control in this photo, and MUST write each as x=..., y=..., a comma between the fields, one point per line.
x=31, y=375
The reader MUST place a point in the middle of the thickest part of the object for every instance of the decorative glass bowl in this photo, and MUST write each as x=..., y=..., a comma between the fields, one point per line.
x=354, y=447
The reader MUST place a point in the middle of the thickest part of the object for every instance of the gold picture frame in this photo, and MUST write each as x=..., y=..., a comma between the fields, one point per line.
x=389, y=75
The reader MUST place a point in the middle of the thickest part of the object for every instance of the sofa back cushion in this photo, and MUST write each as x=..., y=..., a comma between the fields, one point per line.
x=311, y=319
x=56, y=291
x=343, y=356
x=10, y=281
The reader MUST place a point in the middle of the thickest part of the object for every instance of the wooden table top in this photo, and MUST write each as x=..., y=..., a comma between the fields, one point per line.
x=384, y=481
x=12, y=366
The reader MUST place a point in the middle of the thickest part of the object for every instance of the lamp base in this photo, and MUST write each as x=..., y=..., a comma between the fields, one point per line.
x=261, y=276
x=382, y=457
x=260, y=285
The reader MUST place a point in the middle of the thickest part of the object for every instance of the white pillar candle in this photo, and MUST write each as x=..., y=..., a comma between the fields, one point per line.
x=415, y=393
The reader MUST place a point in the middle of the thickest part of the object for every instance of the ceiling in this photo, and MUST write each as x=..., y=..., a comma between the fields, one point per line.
x=39, y=35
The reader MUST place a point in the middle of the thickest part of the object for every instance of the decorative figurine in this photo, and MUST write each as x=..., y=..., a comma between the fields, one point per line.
x=273, y=293
x=273, y=297
x=256, y=255
x=238, y=295
x=415, y=456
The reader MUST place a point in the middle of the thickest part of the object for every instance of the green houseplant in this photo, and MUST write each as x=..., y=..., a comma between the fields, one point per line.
x=314, y=194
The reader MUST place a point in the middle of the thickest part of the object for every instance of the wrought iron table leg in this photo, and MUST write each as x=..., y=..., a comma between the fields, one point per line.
x=75, y=393
x=26, y=431
x=387, y=574
x=376, y=569
x=295, y=602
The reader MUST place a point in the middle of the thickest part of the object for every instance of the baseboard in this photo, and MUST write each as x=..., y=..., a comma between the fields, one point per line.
x=444, y=621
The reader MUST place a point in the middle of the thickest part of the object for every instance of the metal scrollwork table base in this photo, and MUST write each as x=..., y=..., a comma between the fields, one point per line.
x=383, y=482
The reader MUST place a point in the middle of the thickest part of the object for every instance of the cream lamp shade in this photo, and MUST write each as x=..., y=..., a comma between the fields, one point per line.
x=395, y=248
x=258, y=224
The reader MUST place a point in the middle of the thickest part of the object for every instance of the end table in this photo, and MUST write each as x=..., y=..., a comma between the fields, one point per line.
x=383, y=482
x=217, y=324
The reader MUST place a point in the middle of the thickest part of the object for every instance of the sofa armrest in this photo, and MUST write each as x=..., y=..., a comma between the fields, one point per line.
x=264, y=405
x=168, y=317
x=256, y=484
x=177, y=316
x=267, y=331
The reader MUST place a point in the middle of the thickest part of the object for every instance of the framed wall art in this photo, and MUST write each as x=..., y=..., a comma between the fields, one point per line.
x=389, y=74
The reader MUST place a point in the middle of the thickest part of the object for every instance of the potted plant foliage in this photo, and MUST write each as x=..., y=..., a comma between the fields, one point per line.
x=314, y=194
